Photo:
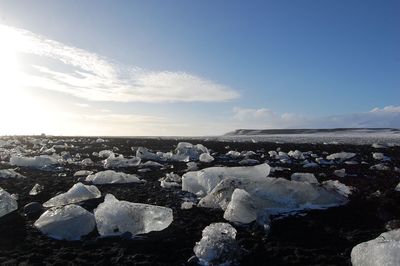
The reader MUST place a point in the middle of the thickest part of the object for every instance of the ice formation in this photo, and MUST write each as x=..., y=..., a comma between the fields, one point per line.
x=115, y=217
x=193, y=152
x=41, y=161
x=106, y=153
x=378, y=156
x=206, y=158
x=304, y=177
x=145, y=154
x=112, y=177
x=83, y=173
x=171, y=180
x=341, y=156
x=70, y=222
x=203, y=181
x=383, y=250
x=247, y=197
x=77, y=193
x=274, y=196
x=7, y=203
x=10, y=173
x=340, y=173
x=37, y=188
x=217, y=245
x=120, y=162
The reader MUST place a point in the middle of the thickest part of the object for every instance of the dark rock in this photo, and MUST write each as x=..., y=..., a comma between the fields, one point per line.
x=33, y=210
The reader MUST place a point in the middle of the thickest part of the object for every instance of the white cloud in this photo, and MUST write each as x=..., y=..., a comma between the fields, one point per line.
x=388, y=116
x=390, y=109
x=95, y=78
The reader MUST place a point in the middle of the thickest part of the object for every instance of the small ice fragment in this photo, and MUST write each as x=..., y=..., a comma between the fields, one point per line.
x=7, y=203
x=70, y=222
x=77, y=193
x=380, y=167
x=217, y=245
x=249, y=162
x=112, y=177
x=41, y=161
x=191, y=166
x=304, y=177
x=120, y=162
x=10, y=173
x=105, y=153
x=83, y=173
x=37, y=188
x=341, y=156
x=378, y=156
x=340, y=173
x=186, y=205
x=151, y=164
x=87, y=162
x=116, y=217
x=206, y=158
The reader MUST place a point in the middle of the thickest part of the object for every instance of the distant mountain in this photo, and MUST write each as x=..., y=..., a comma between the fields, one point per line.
x=250, y=132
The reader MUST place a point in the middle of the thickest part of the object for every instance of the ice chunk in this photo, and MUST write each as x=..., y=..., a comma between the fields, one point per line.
x=378, y=156
x=79, y=192
x=267, y=196
x=151, y=164
x=249, y=162
x=397, y=188
x=340, y=173
x=170, y=180
x=42, y=161
x=145, y=154
x=106, y=153
x=112, y=177
x=311, y=165
x=193, y=152
x=115, y=217
x=186, y=205
x=10, y=173
x=206, y=158
x=298, y=155
x=37, y=188
x=191, y=166
x=234, y=154
x=341, y=156
x=7, y=203
x=380, y=167
x=205, y=180
x=83, y=173
x=278, y=196
x=242, y=208
x=87, y=162
x=304, y=177
x=217, y=245
x=70, y=222
x=120, y=162
x=383, y=250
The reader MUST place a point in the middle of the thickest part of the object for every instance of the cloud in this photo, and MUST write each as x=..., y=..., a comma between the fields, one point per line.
x=93, y=77
x=389, y=109
x=388, y=116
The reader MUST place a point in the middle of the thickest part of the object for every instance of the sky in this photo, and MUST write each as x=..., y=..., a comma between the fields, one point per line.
x=173, y=68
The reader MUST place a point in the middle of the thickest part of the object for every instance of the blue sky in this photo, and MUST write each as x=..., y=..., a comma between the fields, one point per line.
x=201, y=68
